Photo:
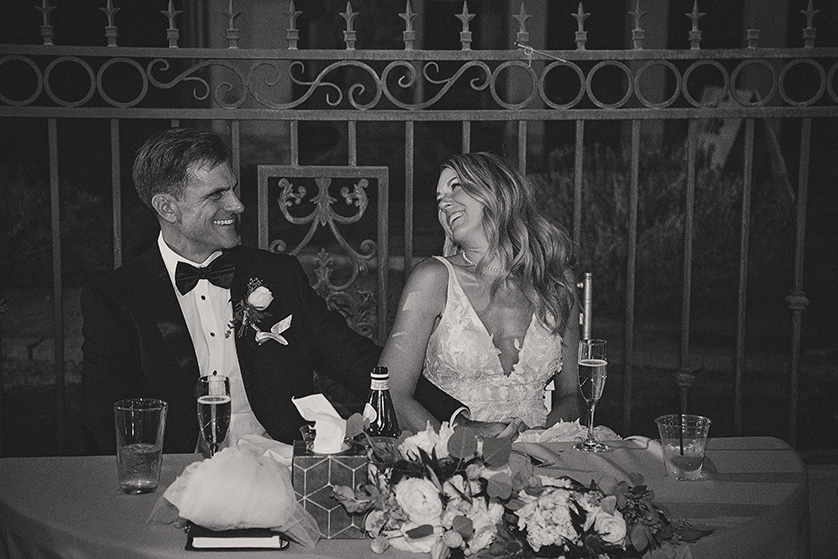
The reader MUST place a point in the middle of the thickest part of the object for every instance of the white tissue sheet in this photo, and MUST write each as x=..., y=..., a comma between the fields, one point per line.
x=329, y=426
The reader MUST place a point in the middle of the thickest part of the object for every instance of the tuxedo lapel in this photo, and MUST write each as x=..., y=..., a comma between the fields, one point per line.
x=253, y=358
x=156, y=296
x=246, y=343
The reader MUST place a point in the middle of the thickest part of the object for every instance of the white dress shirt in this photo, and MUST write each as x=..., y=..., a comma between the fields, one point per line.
x=208, y=311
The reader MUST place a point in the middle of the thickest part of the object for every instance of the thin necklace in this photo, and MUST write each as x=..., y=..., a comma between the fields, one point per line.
x=489, y=268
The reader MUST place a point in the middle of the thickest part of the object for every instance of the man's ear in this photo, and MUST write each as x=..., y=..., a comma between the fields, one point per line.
x=166, y=207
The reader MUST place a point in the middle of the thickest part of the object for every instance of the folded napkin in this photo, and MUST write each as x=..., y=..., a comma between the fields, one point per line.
x=566, y=431
x=248, y=486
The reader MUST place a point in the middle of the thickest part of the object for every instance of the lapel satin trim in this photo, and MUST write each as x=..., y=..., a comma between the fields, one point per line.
x=158, y=297
x=246, y=345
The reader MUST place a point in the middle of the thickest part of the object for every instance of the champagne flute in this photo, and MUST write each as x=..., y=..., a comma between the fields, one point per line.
x=592, y=374
x=214, y=409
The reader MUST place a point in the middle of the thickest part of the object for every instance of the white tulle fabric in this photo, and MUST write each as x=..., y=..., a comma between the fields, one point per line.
x=248, y=486
x=462, y=360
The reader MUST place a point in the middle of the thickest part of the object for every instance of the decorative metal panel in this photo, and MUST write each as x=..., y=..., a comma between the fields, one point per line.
x=305, y=212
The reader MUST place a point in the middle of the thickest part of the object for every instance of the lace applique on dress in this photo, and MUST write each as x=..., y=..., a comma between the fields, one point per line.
x=462, y=360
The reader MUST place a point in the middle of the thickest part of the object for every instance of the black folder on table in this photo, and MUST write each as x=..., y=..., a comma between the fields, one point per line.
x=203, y=539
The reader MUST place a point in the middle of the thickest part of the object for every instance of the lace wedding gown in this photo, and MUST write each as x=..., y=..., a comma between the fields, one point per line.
x=462, y=360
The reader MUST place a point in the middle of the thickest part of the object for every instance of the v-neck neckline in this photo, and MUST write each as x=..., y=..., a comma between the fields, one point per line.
x=476, y=318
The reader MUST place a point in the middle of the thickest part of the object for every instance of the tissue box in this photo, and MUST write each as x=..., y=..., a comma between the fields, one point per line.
x=314, y=475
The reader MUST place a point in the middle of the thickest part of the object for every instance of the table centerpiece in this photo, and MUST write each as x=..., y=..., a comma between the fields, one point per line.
x=451, y=493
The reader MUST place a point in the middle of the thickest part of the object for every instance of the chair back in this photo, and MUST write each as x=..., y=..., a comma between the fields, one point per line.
x=319, y=214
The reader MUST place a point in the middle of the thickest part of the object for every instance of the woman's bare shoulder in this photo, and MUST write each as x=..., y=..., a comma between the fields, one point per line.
x=429, y=273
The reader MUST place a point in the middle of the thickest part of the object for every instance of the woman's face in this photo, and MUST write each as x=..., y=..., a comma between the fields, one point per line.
x=460, y=214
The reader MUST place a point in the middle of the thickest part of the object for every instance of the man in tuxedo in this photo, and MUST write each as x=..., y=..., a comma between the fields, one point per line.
x=198, y=303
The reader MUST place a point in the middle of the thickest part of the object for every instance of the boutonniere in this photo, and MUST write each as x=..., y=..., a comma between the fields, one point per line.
x=275, y=332
x=250, y=310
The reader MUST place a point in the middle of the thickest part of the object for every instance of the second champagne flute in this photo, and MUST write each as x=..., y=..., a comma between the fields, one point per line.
x=593, y=370
x=214, y=410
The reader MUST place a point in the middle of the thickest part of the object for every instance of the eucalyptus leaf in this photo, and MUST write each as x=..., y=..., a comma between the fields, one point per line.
x=500, y=486
x=422, y=531
x=463, y=525
x=354, y=425
x=462, y=444
x=496, y=451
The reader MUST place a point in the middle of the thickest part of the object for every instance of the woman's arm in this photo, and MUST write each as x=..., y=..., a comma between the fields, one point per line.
x=422, y=302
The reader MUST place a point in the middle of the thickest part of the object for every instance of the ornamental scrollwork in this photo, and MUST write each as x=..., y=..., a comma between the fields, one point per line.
x=353, y=297
x=352, y=84
x=221, y=89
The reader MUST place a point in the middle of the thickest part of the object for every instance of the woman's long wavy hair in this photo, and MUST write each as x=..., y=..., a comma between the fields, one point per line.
x=537, y=251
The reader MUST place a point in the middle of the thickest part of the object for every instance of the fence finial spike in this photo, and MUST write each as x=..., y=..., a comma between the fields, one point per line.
x=293, y=14
x=111, y=31
x=695, y=32
x=580, y=16
x=409, y=34
x=637, y=34
x=292, y=34
x=581, y=35
x=465, y=16
x=232, y=32
x=408, y=16
x=810, y=33
x=465, y=34
x=349, y=35
x=45, y=10
x=46, y=27
x=523, y=35
x=349, y=16
x=172, y=33
x=522, y=18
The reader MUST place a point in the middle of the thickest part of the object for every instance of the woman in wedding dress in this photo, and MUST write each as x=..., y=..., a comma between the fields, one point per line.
x=494, y=320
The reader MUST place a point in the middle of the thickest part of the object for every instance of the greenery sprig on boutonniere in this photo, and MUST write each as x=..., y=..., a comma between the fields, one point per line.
x=249, y=311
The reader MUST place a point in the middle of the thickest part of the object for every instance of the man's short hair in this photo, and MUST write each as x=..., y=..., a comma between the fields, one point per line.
x=163, y=162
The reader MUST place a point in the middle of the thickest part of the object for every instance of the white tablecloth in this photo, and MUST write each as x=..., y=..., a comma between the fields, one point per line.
x=72, y=507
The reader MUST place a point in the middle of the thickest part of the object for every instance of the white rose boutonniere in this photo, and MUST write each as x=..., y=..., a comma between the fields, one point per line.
x=260, y=298
x=248, y=312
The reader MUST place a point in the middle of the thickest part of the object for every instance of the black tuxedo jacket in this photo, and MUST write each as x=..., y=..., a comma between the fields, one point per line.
x=136, y=344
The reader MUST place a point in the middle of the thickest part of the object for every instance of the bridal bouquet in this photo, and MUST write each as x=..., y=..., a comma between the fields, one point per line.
x=450, y=493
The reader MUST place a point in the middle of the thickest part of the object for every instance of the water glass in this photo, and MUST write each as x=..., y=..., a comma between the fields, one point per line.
x=140, y=424
x=684, y=440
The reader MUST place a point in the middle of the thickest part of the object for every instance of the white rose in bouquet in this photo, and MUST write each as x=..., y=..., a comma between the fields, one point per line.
x=429, y=441
x=419, y=499
x=612, y=527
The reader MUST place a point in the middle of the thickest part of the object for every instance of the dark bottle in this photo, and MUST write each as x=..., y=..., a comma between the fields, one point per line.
x=379, y=408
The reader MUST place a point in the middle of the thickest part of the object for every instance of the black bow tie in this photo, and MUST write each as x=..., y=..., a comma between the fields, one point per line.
x=217, y=272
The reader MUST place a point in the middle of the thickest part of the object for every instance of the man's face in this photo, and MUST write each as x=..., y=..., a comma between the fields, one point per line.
x=207, y=215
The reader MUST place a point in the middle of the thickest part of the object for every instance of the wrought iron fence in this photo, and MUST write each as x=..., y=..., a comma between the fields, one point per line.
x=251, y=93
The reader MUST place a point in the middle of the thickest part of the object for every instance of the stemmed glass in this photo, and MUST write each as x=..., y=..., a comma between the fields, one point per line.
x=592, y=374
x=214, y=408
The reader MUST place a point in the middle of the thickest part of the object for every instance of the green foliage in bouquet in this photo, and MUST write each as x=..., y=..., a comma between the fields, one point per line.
x=450, y=493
